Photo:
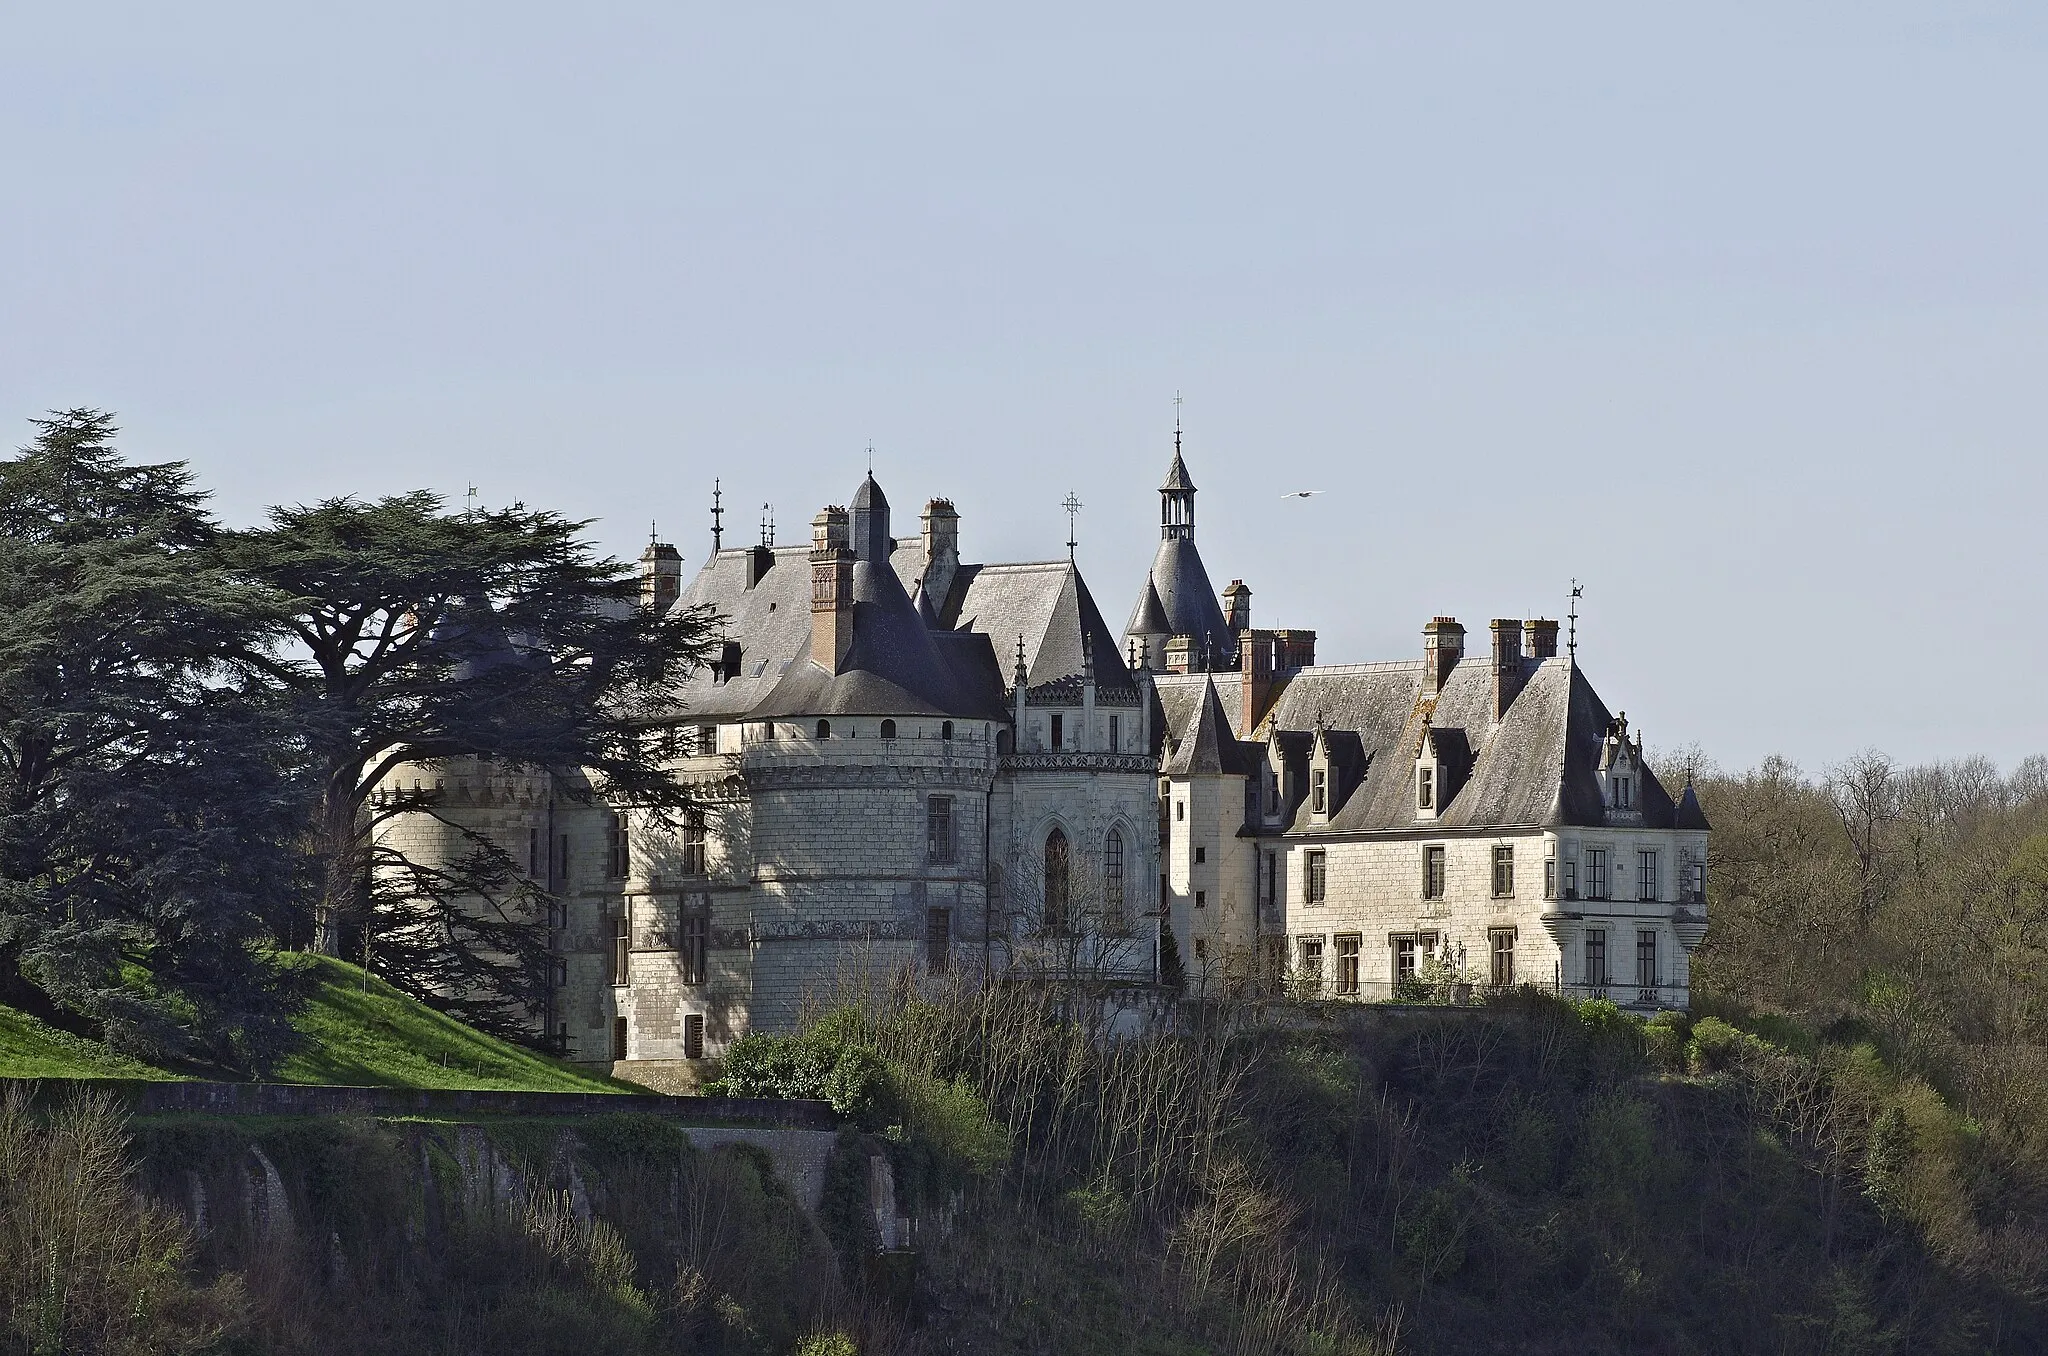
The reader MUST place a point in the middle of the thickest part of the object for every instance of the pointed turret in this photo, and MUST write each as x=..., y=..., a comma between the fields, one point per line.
x=1689, y=815
x=923, y=603
x=1206, y=747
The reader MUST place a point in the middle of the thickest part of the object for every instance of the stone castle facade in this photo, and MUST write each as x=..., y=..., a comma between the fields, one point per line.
x=907, y=763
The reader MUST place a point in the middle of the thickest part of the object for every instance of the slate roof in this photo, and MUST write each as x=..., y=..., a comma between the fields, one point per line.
x=1150, y=618
x=1536, y=766
x=1048, y=603
x=1177, y=477
x=1189, y=599
x=771, y=623
x=1204, y=744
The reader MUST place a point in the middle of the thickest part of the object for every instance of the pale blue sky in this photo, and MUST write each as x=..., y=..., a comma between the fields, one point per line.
x=1736, y=312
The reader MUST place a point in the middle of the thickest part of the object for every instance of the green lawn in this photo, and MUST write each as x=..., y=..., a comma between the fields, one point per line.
x=381, y=1038
x=373, y=1038
x=32, y=1049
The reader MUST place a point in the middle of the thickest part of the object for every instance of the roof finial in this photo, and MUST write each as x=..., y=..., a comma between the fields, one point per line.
x=767, y=524
x=653, y=533
x=1572, y=640
x=1072, y=506
x=871, y=459
x=717, y=517
x=1022, y=672
x=1176, y=423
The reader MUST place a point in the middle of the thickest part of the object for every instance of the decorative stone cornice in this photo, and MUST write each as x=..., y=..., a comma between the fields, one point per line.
x=1075, y=761
x=829, y=776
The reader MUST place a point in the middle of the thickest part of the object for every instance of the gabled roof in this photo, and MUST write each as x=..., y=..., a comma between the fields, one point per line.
x=1205, y=746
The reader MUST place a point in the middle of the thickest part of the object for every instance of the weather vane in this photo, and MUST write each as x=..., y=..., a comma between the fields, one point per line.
x=1072, y=506
x=717, y=517
x=1572, y=639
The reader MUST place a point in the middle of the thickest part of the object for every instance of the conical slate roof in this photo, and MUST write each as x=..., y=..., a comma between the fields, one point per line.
x=1150, y=618
x=1207, y=747
x=1186, y=597
x=1689, y=815
x=1177, y=477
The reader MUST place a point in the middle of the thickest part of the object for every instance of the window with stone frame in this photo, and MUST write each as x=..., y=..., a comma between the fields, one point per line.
x=1646, y=874
x=1318, y=791
x=616, y=857
x=1058, y=862
x=1115, y=735
x=695, y=857
x=1646, y=962
x=622, y=943
x=1405, y=958
x=1059, y=730
x=696, y=945
x=1113, y=918
x=1550, y=878
x=618, y=1038
x=1596, y=873
x=1348, y=947
x=1433, y=871
x=1624, y=792
x=938, y=939
x=1317, y=873
x=1312, y=959
x=693, y=1035
x=1503, y=871
x=1596, y=958
x=1500, y=945
x=939, y=838
x=1425, y=788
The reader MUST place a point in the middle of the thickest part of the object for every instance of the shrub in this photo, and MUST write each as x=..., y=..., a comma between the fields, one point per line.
x=822, y=1064
x=1715, y=1045
x=827, y=1344
x=1665, y=1037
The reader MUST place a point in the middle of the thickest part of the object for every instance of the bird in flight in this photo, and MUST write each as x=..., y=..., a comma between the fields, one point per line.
x=1299, y=494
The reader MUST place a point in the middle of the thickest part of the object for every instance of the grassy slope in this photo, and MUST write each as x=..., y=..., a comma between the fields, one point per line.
x=31, y=1049
x=382, y=1038
x=373, y=1038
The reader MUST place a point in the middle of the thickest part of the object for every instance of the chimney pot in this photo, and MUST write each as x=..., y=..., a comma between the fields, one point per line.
x=1540, y=636
x=1443, y=645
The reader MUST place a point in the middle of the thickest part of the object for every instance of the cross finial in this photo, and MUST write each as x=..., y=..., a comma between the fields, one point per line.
x=871, y=459
x=653, y=533
x=717, y=517
x=1073, y=506
x=1176, y=423
x=469, y=505
x=767, y=524
x=1572, y=638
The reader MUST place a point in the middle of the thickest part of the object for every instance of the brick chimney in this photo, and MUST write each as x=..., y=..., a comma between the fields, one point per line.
x=1443, y=645
x=831, y=589
x=1507, y=663
x=661, y=576
x=1237, y=607
x=1540, y=636
x=1257, y=656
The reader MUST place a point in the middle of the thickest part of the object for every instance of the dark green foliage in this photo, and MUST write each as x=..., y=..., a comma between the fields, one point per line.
x=821, y=1063
x=147, y=799
x=415, y=634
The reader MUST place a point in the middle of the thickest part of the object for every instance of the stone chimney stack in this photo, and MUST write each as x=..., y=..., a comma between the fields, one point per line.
x=1507, y=663
x=1257, y=656
x=661, y=576
x=831, y=589
x=941, y=551
x=1443, y=645
x=1541, y=637
x=1237, y=607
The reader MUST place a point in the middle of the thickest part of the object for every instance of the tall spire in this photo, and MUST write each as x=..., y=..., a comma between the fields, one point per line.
x=717, y=518
x=1177, y=493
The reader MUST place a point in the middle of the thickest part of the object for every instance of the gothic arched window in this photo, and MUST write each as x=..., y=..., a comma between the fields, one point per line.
x=1113, y=881
x=824, y=729
x=1057, y=858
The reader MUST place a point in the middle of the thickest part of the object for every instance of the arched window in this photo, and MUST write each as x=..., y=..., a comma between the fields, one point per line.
x=1057, y=858
x=946, y=729
x=1113, y=881
x=888, y=729
x=824, y=729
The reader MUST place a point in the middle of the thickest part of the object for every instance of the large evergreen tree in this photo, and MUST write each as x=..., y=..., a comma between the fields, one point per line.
x=146, y=806
x=418, y=634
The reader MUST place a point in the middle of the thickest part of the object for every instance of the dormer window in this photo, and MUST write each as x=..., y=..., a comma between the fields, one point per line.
x=1318, y=792
x=1624, y=792
x=1425, y=788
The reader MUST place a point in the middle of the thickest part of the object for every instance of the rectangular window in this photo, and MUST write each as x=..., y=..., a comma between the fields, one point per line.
x=1318, y=878
x=1433, y=873
x=1596, y=958
x=1550, y=878
x=1059, y=730
x=1503, y=873
x=1115, y=741
x=1347, y=964
x=1646, y=963
x=1201, y=899
x=618, y=1038
x=1596, y=873
x=1501, y=945
x=1425, y=788
x=1698, y=882
x=622, y=943
x=1312, y=958
x=938, y=939
x=1624, y=793
x=562, y=860
x=559, y=974
x=1404, y=958
x=1113, y=882
x=1270, y=895
x=535, y=868
x=696, y=861
x=938, y=830
x=1180, y=810
x=693, y=1035
x=707, y=739
x=696, y=946
x=1318, y=793
x=1571, y=879
x=1646, y=875
x=1201, y=948
x=616, y=855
